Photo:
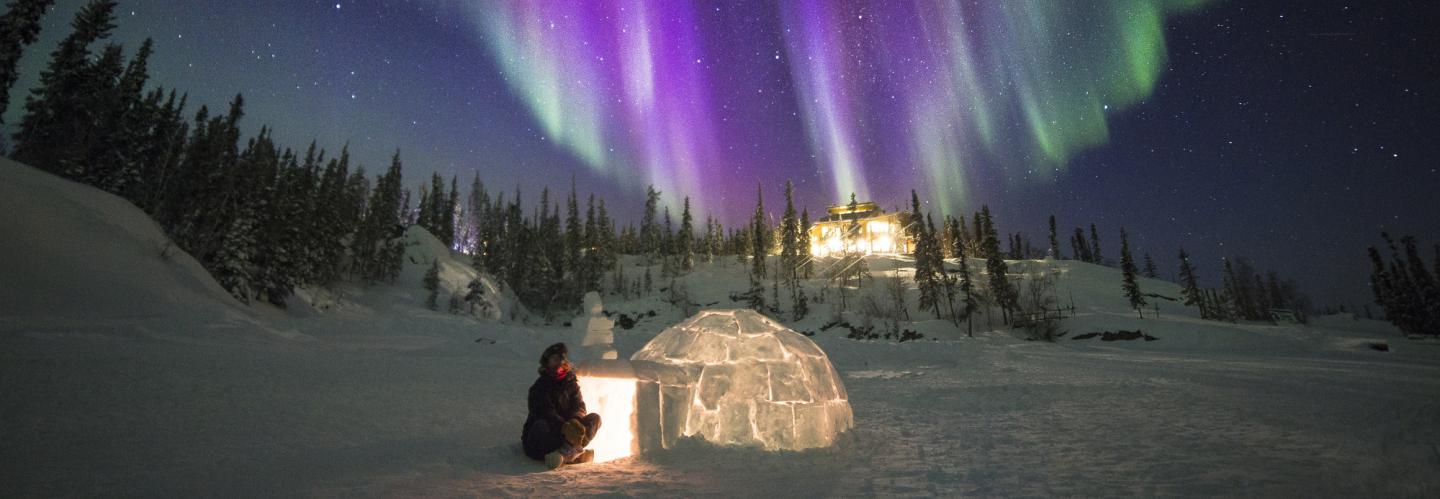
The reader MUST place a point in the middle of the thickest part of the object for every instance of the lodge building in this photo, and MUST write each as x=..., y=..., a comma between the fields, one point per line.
x=860, y=228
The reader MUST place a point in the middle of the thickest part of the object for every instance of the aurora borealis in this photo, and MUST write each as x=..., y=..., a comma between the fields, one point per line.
x=1276, y=130
x=889, y=94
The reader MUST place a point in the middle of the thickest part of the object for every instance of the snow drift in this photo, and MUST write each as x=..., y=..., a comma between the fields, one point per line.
x=75, y=252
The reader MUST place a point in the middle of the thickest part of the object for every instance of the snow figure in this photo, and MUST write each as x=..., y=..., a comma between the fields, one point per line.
x=735, y=377
x=596, y=330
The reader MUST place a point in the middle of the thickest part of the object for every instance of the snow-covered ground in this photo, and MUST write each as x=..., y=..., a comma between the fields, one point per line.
x=125, y=372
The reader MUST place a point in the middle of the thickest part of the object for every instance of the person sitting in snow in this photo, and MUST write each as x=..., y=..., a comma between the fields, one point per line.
x=558, y=428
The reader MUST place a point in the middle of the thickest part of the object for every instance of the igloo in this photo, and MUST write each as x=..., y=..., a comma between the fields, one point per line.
x=735, y=377
x=731, y=377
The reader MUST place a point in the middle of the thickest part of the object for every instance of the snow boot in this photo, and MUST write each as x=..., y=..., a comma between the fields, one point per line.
x=554, y=459
x=583, y=457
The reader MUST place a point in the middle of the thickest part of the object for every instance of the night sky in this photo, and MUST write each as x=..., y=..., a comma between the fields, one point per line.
x=1287, y=132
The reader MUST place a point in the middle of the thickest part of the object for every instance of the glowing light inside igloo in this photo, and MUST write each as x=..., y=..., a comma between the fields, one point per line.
x=613, y=398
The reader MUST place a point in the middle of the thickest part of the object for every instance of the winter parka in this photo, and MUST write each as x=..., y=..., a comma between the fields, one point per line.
x=553, y=401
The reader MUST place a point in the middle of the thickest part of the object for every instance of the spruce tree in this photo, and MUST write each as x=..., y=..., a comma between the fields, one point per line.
x=1054, y=240
x=1095, y=246
x=423, y=211
x=926, y=276
x=937, y=281
x=608, y=246
x=1150, y=270
x=790, y=239
x=649, y=230
x=447, y=220
x=807, y=259
x=58, y=116
x=19, y=26
x=1234, y=303
x=126, y=117
x=1127, y=269
x=967, y=288
x=1082, y=249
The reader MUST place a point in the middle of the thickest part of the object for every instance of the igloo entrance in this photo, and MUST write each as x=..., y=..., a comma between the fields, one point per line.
x=732, y=377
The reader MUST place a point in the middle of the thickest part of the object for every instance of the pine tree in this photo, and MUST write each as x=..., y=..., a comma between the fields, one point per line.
x=759, y=234
x=592, y=259
x=609, y=251
x=125, y=118
x=790, y=238
x=962, y=244
x=423, y=211
x=376, y=256
x=1150, y=270
x=1190, y=289
x=1127, y=269
x=807, y=263
x=667, y=237
x=707, y=251
x=801, y=307
x=1262, y=299
x=432, y=285
x=1001, y=289
x=480, y=216
x=977, y=236
x=58, y=117
x=686, y=238
x=926, y=278
x=19, y=26
x=572, y=265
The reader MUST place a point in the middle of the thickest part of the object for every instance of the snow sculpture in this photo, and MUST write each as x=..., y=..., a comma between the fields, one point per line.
x=596, y=330
x=735, y=377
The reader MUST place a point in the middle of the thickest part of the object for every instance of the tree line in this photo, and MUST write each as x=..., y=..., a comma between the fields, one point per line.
x=261, y=218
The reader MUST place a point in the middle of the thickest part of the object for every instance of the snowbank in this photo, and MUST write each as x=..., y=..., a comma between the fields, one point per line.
x=74, y=252
x=456, y=274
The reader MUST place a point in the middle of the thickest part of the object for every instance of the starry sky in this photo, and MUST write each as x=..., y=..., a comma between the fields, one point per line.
x=1287, y=132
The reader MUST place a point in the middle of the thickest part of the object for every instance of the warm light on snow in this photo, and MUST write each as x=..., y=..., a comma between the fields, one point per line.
x=614, y=400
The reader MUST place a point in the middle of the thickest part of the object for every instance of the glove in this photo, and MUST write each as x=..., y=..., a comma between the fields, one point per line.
x=574, y=432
